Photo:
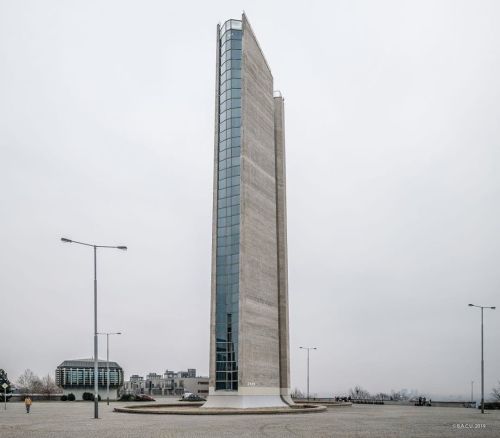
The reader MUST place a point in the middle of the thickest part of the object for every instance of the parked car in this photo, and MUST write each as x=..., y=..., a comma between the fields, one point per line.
x=189, y=396
x=144, y=397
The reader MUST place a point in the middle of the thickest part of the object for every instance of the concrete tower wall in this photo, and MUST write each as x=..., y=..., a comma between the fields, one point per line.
x=259, y=329
x=263, y=352
x=284, y=342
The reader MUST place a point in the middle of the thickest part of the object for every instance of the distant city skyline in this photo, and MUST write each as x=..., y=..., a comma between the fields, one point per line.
x=393, y=145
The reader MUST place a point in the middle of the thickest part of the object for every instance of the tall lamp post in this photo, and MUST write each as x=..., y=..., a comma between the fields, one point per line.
x=308, y=349
x=96, y=359
x=5, y=386
x=107, y=362
x=482, y=351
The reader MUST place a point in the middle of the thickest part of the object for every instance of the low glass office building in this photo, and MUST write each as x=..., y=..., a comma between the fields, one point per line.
x=77, y=377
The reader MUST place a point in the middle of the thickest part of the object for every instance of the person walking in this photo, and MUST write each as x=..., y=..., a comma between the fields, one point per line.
x=27, y=403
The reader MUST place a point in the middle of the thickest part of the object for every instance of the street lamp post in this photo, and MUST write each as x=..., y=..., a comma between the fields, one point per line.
x=5, y=386
x=96, y=359
x=107, y=362
x=482, y=351
x=471, y=391
x=308, y=349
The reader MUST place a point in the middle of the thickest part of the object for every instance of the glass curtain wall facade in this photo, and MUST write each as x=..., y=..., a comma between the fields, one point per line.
x=85, y=377
x=228, y=207
x=74, y=374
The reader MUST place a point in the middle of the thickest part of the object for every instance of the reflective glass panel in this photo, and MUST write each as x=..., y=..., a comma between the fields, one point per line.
x=228, y=208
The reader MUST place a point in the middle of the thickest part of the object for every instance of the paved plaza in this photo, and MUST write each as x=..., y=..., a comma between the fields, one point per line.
x=74, y=419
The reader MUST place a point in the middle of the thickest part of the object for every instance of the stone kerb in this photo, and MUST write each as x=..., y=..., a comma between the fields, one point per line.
x=194, y=409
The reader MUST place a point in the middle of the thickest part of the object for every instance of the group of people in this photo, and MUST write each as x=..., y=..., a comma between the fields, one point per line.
x=422, y=401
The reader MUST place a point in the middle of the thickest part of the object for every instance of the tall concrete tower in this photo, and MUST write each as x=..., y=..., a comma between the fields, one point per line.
x=249, y=346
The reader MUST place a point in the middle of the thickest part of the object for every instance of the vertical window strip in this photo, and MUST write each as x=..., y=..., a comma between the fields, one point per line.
x=228, y=207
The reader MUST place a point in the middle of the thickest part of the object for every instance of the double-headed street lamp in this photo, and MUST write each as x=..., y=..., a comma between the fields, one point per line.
x=96, y=358
x=107, y=362
x=308, y=349
x=482, y=352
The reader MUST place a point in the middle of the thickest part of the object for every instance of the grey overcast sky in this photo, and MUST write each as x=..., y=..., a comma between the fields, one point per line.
x=393, y=153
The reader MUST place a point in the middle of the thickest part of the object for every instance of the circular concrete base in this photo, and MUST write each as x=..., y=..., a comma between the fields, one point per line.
x=194, y=409
x=332, y=404
x=338, y=404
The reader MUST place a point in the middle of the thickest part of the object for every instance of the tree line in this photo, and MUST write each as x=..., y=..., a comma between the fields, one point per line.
x=29, y=383
x=359, y=393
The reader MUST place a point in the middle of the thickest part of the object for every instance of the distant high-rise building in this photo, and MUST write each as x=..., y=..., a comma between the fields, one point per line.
x=249, y=354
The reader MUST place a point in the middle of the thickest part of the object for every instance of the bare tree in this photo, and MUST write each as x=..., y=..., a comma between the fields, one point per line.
x=403, y=394
x=29, y=383
x=297, y=393
x=359, y=393
x=496, y=392
x=48, y=386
